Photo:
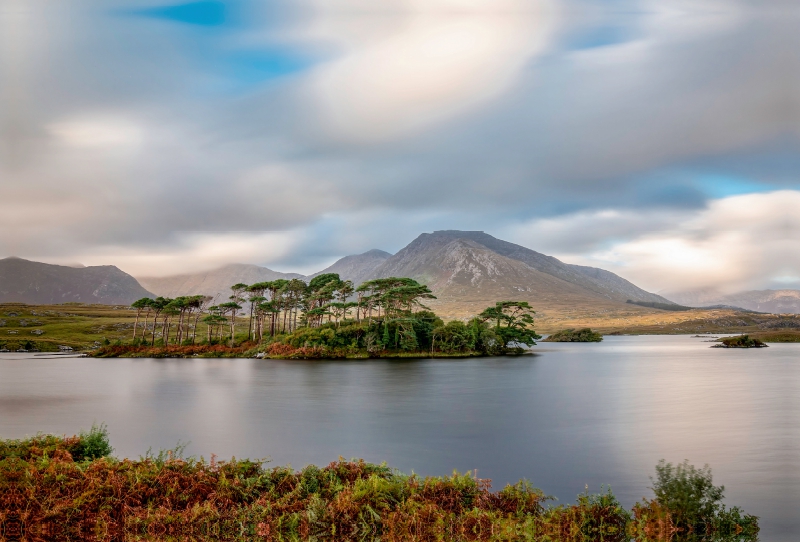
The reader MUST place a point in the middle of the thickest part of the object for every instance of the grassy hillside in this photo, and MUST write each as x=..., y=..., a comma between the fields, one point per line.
x=76, y=325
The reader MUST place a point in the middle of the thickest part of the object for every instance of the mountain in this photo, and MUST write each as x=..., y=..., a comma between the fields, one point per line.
x=214, y=283
x=471, y=270
x=416, y=260
x=359, y=267
x=774, y=301
x=24, y=281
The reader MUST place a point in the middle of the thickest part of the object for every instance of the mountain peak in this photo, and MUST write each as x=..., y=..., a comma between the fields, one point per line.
x=376, y=252
x=457, y=233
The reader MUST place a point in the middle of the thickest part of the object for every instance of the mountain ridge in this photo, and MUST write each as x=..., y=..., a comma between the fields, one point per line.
x=784, y=301
x=26, y=281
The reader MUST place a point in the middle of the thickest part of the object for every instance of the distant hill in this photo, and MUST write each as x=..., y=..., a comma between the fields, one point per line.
x=359, y=267
x=216, y=282
x=774, y=301
x=24, y=281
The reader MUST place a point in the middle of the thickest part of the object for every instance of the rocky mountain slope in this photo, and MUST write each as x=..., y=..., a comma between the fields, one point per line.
x=774, y=301
x=25, y=281
x=600, y=281
x=470, y=270
x=215, y=283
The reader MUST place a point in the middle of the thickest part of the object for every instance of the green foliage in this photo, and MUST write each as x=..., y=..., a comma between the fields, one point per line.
x=454, y=336
x=688, y=493
x=93, y=444
x=511, y=322
x=584, y=335
x=741, y=341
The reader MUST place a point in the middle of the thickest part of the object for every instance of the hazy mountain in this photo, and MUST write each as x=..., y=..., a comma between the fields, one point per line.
x=25, y=281
x=359, y=267
x=216, y=282
x=775, y=301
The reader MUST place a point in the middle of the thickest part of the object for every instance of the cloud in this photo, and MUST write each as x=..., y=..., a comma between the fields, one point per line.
x=201, y=250
x=736, y=243
x=445, y=57
x=97, y=133
x=354, y=124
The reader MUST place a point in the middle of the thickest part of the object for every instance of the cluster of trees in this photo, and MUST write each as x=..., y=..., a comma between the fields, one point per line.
x=183, y=312
x=279, y=307
x=380, y=314
x=500, y=329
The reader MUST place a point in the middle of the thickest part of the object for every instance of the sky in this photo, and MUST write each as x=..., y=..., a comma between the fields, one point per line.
x=659, y=140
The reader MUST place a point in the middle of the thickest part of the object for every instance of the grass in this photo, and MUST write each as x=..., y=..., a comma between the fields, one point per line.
x=75, y=325
x=777, y=336
x=51, y=489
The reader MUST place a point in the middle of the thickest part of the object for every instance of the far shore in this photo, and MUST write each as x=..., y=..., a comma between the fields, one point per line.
x=75, y=328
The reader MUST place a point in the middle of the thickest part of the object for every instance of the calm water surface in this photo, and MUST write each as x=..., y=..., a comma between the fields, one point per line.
x=574, y=414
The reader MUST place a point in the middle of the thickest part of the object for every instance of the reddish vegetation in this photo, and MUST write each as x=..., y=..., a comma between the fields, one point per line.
x=213, y=350
x=46, y=495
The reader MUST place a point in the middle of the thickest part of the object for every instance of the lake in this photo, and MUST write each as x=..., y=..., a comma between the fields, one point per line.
x=570, y=416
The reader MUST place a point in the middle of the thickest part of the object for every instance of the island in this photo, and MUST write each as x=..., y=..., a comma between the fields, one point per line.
x=740, y=341
x=326, y=318
x=584, y=335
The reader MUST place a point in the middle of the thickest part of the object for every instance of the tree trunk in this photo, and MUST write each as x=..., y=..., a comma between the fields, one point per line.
x=146, y=318
x=136, y=323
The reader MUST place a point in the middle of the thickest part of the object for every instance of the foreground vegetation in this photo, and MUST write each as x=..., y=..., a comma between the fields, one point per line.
x=584, y=335
x=54, y=488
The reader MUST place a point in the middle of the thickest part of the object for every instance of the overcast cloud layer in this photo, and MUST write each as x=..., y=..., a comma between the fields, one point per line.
x=658, y=140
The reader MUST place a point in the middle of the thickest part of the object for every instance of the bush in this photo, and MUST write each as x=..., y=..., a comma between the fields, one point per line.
x=693, y=503
x=687, y=492
x=454, y=336
x=93, y=444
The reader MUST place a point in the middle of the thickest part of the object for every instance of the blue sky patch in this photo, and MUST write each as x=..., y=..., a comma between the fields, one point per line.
x=598, y=36
x=254, y=66
x=204, y=13
x=722, y=186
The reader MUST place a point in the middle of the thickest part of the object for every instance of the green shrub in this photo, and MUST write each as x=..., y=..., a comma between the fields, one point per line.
x=689, y=494
x=93, y=444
